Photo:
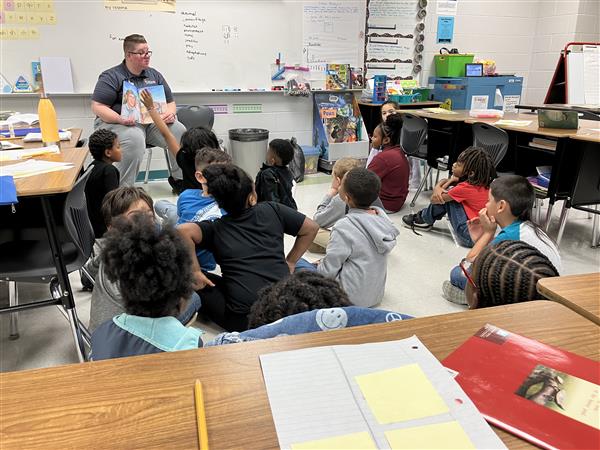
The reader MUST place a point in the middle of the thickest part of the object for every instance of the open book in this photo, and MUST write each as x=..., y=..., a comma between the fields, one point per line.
x=133, y=108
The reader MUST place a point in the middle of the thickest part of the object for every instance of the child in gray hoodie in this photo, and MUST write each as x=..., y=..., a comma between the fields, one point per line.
x=360, y=242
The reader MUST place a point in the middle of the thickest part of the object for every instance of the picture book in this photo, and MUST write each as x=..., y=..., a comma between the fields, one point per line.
x=133, y=108
x=543, y=394
x=339, y=120
x=337, y=77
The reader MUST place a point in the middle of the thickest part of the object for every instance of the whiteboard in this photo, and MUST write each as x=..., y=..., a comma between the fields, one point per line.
x=583, y=81
x=204, y=45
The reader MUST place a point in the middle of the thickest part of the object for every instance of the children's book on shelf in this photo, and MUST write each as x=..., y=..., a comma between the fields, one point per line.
x=133, y=108
x=540, y=393
x=338, y=117
x=337, y=77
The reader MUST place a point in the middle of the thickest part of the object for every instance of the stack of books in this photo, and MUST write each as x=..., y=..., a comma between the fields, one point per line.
x=545, y=144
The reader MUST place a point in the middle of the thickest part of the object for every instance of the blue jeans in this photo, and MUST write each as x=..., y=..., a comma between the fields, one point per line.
x=457, y=278
x=303, y=264
x=192, y=308
x=457, y=216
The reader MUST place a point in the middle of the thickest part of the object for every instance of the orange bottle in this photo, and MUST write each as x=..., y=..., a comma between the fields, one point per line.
x=48, y=121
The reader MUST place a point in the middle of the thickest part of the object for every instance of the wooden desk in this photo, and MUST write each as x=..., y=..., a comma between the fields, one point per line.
x=75, y=136
x=371, y=112
x=581, y=293
x=148, y=401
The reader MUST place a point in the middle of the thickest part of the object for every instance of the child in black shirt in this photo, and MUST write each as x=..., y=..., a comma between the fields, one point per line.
x=274, y=179
x=105, y=149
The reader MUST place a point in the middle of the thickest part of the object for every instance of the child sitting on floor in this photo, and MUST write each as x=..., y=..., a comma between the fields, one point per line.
x=505, y=273
x=303, y=303
x=390, y=165
x=107, y=301
x=461, y=197
x=509, y=206
x=105, y=149
x=153, y=270
x=247, y=244
x=185, y=151
x=274, y=180
x=357, y=252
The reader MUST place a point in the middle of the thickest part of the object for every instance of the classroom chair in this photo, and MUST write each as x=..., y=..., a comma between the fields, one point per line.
x=412, y=140
x=492, y=139
x=31, y=260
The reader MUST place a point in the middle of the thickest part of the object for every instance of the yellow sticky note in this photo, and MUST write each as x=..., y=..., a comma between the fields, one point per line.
x=399, y=394
x=34, y=33
x=51, y=19
x=355, y=441
x=10, y=17
x=448, y=435
x=21, y=17
x=23, y=33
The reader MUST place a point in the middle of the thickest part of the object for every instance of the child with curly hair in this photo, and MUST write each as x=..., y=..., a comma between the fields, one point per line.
x=460, y=197
x=247, y=243
x=153, y=269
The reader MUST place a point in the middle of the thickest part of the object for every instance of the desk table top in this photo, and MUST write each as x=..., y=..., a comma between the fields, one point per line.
x=581, y=293
x=75, y=135
x=148, y=401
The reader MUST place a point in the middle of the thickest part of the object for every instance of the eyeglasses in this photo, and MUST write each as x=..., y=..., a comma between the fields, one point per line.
x=142, y=54
x=465, y=266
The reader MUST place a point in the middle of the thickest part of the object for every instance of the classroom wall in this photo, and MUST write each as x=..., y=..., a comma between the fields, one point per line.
x=559, y=22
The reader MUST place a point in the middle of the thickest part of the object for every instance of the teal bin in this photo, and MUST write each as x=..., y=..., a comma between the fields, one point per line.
x=311, y=156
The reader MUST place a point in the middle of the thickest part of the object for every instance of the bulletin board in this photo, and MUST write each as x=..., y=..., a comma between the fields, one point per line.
x=198, y=46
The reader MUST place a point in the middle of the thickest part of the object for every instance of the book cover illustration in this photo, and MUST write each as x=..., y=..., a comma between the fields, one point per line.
x=339, y=120
x=562, y=393
x=541, y=393
x=337, y=77
x=133, y=108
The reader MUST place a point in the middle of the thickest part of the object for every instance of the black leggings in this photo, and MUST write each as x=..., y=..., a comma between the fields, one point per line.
x=214, y=306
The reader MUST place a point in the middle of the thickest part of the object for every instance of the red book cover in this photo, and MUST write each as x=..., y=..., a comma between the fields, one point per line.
x=540, y=393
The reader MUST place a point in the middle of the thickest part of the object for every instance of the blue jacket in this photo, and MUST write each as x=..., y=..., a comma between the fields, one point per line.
x=127, y=335
x=310, y=321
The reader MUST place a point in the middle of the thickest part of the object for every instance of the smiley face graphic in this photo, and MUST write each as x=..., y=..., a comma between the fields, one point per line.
x=331, y=319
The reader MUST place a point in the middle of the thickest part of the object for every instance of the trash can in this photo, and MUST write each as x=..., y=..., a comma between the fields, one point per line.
x=249, y=148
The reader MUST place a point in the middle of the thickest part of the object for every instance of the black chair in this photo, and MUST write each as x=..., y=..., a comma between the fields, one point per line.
x=32, y=260
x=492, y=139
x=413, y=137
x=190, y=116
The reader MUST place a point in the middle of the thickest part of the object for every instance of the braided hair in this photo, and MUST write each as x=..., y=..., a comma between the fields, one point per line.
x=508, y=273
x=478, y=167
x=300, y=292
x=392, y=127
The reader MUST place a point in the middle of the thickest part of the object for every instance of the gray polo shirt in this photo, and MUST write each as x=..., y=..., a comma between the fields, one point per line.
x=109, y=88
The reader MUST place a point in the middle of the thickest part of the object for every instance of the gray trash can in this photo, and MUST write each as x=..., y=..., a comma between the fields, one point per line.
x=249, y=148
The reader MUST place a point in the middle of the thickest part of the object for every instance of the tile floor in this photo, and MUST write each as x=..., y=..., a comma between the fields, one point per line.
x=416, y=269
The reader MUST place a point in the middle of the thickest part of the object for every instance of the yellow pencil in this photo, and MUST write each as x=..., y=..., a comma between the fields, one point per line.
x=200, y=416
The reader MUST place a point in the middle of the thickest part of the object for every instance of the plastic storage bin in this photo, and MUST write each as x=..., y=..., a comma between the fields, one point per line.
x=311, y=157
x=460, y=91
x=249, y=148
x=452, y=65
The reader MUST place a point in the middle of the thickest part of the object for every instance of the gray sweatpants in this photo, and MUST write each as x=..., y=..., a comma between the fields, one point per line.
x=133, y=141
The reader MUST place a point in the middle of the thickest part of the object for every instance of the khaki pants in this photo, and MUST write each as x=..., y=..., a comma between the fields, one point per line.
x=320, y=242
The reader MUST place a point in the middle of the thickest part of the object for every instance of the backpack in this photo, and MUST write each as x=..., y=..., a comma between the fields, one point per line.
x=297, y=164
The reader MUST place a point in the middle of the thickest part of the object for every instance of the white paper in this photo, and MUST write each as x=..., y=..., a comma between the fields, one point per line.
x=37, y=137
x=15, y=155
x=510, y=101
x=498, y=100
x=392, y=16
x=392, y=70
x=479, y=101
x=33, y=167
x=21, y=119
x=8, y=145
x=313, y=393
x=591, y=74
x=447, y=7
x=331, y=33
x=390, y=48
x=57, y=75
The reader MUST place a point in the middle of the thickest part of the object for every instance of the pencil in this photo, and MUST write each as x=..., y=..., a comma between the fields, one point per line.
x=200, y=416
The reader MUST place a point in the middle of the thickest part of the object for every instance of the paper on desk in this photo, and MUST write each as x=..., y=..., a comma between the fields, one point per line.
x=15, y=155
x=314, y=395
x=439, y=111
x=33, y=167
x=407, y=386
x=356, y=441
x=37, y=137
x=513, y=123
x=7, y=145
x=439, y=435
x=21, y=119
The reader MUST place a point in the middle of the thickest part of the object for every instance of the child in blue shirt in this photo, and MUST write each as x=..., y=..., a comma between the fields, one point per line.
x=153, y=270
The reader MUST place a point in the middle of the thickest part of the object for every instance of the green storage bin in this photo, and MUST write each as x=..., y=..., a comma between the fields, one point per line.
x=425, y=93
x=449, y=66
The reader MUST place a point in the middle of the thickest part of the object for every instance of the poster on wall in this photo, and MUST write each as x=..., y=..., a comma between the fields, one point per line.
x=445, y=29
x=447, y=7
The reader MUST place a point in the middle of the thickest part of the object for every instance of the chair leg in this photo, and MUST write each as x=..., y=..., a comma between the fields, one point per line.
x=548, y=217
x=148, y=161
x=538, y=210
x=563, y=221
x=430, y=180
x=168, y=162
x=13, y=300
x=77, y=334
x=423, y=181
x=595, y=233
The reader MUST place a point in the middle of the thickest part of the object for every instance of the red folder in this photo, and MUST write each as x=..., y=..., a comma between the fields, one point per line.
x=540, y=393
